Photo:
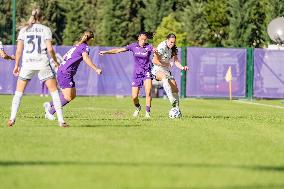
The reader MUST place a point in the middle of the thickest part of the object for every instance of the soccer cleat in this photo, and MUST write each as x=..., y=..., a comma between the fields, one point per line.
x=147, y=115
x=63, y=124
x=137, y=111
x=10, y=123
x=48, y=115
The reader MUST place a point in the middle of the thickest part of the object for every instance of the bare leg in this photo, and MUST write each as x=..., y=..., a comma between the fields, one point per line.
x=148, y=87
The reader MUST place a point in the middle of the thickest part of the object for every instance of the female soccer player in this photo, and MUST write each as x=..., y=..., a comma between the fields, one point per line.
x=142, y=70
x=3, y=53
x=34, y=41
x=68, y=69
x=167, y=52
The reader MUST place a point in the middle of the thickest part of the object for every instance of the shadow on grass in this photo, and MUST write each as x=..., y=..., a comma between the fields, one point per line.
x=142, y=164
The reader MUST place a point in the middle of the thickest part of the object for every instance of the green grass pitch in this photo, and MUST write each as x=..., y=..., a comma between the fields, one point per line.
x=217, y=144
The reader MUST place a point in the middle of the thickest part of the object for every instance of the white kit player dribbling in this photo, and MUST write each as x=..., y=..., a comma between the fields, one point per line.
x=34, y=42
x=167, y=52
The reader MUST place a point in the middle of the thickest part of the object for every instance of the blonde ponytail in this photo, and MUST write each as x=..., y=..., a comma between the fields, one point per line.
x=35, y=17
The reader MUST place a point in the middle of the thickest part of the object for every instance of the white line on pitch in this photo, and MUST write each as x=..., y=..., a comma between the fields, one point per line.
x=259, y=104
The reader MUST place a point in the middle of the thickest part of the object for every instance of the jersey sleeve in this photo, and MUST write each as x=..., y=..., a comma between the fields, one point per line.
x=1, y=46
x=47, y=34
x=85, y=48
x=21, y=35
x=161, y=48
x=129, y=47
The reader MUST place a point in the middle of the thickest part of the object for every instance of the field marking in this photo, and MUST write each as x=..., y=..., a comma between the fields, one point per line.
x=259, y=104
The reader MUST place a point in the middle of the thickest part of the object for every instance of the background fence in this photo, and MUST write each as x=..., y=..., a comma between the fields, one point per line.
x=256, y=73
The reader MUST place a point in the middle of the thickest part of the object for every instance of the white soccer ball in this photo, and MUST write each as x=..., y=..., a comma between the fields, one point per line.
x=174, y=113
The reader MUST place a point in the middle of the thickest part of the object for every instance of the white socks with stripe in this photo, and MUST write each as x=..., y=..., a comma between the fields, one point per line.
x=168, y=89
x=15, y=104
x=57, y=105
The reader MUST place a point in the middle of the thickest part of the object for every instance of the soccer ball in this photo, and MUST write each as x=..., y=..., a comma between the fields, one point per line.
x=174, y=113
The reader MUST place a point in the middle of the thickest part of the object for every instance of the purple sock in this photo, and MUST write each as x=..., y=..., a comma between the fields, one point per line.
x=63, y=103
x=147, y=108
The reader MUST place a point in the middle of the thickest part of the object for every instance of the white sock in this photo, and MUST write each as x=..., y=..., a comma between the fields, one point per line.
x=176, y=96
x=57, y=105
x=168, y=90
x=15, y=104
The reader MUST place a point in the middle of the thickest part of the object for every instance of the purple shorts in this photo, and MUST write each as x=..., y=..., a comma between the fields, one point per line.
x=65, y=80
x=138, y=79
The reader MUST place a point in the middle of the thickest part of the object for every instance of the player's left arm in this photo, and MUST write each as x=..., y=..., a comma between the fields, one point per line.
x=89, y=62
x=51, y=52
x=178, y=64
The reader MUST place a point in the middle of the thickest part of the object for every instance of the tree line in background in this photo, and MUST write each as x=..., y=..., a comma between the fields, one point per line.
x=206, y=23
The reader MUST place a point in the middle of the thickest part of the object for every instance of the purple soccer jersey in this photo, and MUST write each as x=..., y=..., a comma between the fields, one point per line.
x=68, y=68
x=142, y=67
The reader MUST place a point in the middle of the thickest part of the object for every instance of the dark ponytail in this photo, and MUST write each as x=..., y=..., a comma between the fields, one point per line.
x=149, y=35
x=87, y=35
x=174, y=48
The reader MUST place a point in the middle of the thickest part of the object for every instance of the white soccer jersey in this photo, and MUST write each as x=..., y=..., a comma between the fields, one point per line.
x=1, y=46
x=35, y=51
x=165, y=52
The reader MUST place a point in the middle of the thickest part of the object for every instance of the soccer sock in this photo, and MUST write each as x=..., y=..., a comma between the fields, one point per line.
x=168, y=90
x=57, y=105
x=63, y=103
x=15, y=104
x=176, y=96
x=148, y=108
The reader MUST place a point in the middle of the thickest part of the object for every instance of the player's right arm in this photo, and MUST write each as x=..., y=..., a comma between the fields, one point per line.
x=158, y=61
x=113, y=51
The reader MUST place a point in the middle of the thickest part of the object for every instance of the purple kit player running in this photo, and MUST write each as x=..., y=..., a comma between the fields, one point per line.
x=142, y=70
x=68, y=69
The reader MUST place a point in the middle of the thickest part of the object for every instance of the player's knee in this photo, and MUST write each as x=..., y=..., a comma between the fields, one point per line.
x=69, y=98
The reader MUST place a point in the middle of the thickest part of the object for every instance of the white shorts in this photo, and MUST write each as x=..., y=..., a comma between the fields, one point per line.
x=43, y=74
x=164, y=70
